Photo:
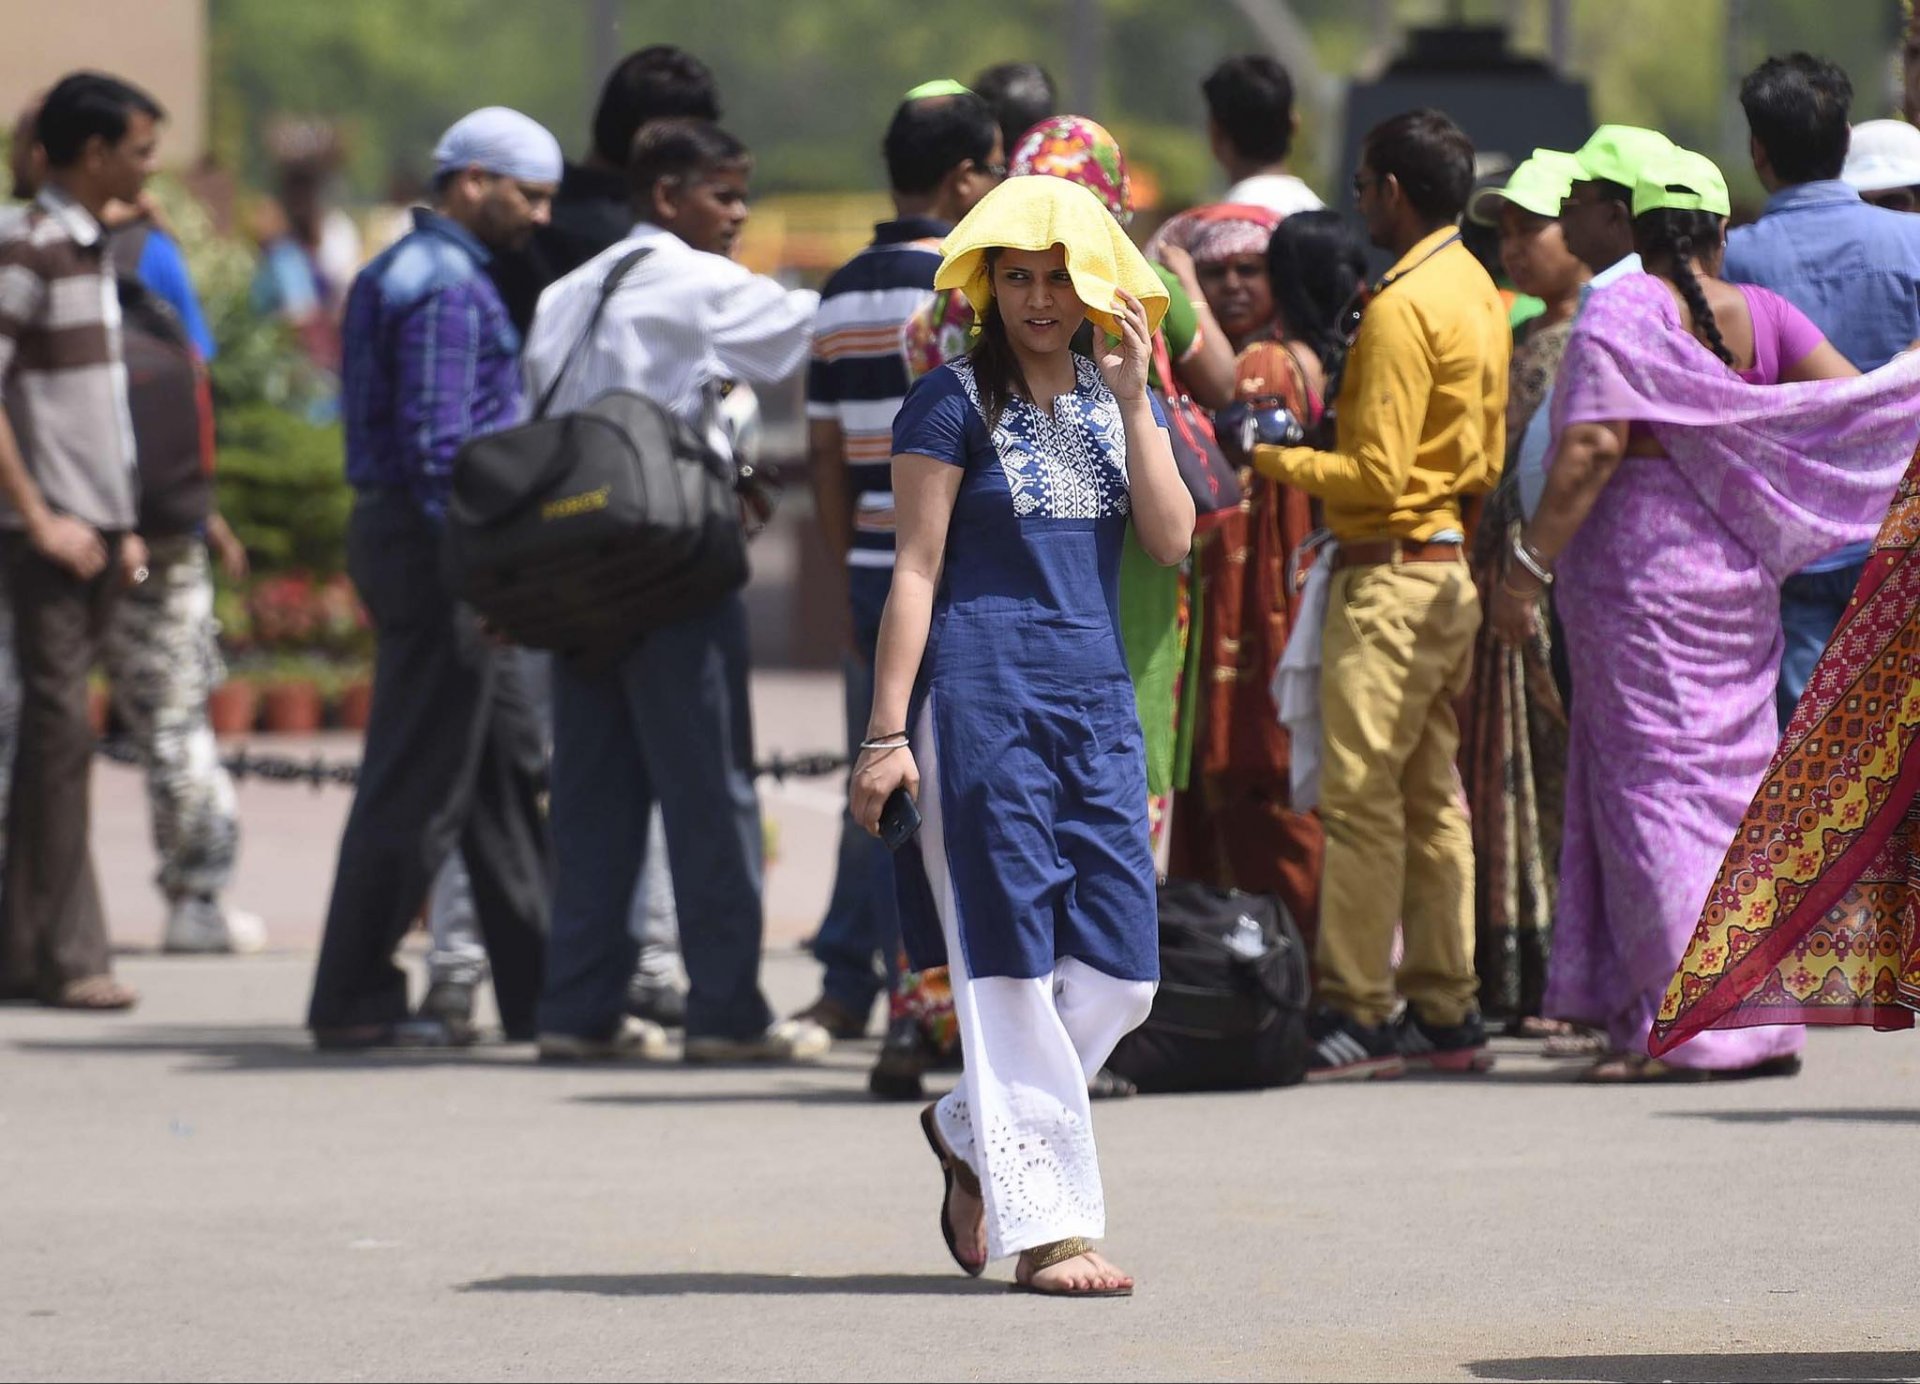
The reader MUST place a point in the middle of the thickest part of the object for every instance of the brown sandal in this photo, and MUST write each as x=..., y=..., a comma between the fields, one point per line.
x=100, y=993
x=952, y=1170
x=1045, y=1257
x=1579, y=1042
x=1633, y=1069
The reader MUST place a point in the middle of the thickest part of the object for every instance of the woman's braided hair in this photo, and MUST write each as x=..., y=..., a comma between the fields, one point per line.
x=1679, y=233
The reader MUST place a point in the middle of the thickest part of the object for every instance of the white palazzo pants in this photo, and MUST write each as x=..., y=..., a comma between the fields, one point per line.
x=1020, y=1116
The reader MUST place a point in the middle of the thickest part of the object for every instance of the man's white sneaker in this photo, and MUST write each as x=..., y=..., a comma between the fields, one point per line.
x=246, y=932
x=790, y=1040
x=199, y=926
x=636, y=1040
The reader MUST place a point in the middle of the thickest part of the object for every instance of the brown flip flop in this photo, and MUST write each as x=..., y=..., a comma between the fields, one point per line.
x=952, y=1170
x=1045, y=1257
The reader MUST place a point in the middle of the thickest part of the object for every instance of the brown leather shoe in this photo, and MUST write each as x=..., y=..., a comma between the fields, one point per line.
x=835, y=1018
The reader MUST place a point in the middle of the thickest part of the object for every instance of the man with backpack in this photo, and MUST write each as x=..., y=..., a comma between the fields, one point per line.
x=591, y=211
x=453, y=752
x=668, y=721
x=162, y=660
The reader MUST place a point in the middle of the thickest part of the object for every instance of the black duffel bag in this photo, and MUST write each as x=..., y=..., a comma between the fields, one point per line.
x=1231, y=1010
x=581, y=532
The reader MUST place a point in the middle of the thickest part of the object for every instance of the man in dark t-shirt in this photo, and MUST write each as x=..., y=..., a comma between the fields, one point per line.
x=594, y=206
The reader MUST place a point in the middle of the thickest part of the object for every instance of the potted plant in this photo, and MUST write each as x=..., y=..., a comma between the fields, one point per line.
x=233, y=705
x=291, y=702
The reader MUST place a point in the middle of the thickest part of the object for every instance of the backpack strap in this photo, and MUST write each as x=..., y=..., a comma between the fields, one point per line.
x=619, y=271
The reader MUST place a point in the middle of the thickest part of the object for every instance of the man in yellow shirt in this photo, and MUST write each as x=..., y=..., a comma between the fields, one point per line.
x=1420, y=423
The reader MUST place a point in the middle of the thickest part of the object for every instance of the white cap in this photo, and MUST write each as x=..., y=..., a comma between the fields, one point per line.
x=1885, y=154
x=500, y=141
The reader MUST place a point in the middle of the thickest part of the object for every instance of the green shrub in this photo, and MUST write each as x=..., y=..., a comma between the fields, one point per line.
x=282, y=486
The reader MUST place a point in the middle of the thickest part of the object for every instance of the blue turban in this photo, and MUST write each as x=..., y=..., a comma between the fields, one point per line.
x=500, y=141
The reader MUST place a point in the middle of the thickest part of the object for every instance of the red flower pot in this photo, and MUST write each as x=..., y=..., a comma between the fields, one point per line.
x=356, y=705
x=232, y=706
x=291, y=707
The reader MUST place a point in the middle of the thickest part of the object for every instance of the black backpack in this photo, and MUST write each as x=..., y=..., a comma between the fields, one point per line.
x=581, y=532
x=1231, y=1010
x=167, y=398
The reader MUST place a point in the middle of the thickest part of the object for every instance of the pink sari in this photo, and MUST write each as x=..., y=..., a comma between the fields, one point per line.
x=1670, y=598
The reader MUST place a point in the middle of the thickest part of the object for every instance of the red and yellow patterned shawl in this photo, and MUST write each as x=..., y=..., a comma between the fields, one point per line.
x=1815, y=916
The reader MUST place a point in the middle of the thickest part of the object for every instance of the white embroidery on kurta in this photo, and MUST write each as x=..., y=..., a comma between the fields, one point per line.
x=1071, y=465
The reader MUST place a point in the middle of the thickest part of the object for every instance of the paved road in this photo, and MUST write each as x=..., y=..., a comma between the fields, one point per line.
x=187, y=1192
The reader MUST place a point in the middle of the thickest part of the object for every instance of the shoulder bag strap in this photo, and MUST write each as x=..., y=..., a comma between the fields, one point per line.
x=607, y=286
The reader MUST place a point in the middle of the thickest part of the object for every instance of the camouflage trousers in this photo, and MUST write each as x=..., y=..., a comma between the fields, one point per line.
x=162, y=662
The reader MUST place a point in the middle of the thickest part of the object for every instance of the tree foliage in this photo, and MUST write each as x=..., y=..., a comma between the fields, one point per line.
x=809, y=83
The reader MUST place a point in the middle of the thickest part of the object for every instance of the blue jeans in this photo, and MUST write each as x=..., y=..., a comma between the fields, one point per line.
x=669, y=723
x=1811, y=604
x=863, y=917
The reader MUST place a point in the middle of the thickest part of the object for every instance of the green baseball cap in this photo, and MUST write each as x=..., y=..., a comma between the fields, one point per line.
x=1681, y=180
x=1615, y=152
x=939, y=86
x=1538, y=185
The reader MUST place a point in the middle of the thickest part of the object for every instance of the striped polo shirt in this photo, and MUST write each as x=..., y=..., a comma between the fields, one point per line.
x=60, y=356
x=858, y=374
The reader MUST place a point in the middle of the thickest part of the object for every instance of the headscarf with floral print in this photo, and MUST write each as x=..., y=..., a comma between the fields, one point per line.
x=1220, y=231
x=1081, y=151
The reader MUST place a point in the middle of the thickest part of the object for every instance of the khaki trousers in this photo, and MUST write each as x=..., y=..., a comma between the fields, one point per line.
x=1398, y=650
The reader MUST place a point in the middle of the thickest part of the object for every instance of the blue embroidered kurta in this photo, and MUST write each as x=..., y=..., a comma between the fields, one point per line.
x=1041, y=763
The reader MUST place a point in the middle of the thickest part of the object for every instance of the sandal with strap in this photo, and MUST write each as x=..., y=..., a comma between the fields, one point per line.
x=952, y=1170
x=1579, y=1042
x=1045, y=1257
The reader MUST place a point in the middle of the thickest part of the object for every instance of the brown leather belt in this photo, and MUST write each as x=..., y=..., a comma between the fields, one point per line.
x=1395, y=551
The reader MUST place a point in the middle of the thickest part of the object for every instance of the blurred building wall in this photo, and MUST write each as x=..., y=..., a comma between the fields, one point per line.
x=160, y=45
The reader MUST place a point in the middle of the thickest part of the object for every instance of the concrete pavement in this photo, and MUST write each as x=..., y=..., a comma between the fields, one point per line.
x=189, y=1192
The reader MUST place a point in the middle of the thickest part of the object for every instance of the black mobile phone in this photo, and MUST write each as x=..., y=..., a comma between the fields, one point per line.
x=899, y=820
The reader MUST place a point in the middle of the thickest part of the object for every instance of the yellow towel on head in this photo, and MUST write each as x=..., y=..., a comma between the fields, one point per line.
x=1037, y=213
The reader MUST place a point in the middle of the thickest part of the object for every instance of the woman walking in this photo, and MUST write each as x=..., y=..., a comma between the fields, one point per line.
x=1154, y=603
x=1678, y=500
x=1003, y=706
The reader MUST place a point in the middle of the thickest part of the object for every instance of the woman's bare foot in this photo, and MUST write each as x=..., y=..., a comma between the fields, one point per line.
x=1089, y=1272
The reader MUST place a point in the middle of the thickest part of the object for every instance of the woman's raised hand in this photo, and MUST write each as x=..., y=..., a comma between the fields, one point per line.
x=1126, y=371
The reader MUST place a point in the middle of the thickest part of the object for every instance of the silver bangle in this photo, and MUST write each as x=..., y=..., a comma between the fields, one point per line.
x=1526, y=558
x=889, y=742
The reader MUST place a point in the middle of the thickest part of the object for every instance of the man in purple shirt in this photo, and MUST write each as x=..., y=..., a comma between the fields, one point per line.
x=453, y=753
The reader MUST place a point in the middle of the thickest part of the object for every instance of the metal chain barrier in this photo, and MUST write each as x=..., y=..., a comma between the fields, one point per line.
x=316, y=770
